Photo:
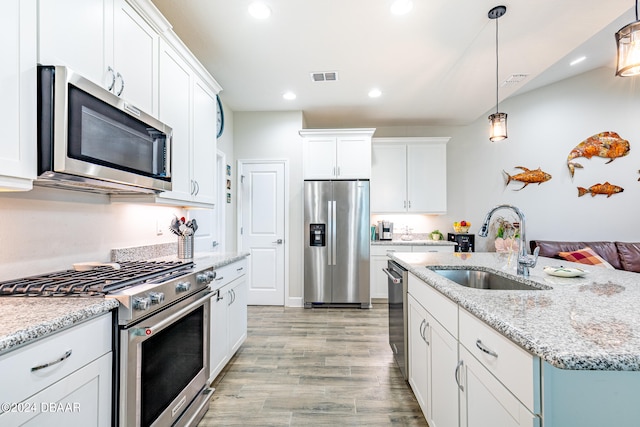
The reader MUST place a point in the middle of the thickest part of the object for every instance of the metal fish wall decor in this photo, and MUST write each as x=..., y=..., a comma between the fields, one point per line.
x=605, y=188
x=608, y=145
x=537, y=176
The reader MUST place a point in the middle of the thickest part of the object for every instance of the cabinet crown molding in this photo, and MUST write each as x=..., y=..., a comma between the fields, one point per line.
x=412, y=140
x=337, y=132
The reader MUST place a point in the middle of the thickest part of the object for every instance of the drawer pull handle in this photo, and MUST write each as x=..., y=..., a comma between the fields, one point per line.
x=53, y=362
x=458, y=366
x=484, y=348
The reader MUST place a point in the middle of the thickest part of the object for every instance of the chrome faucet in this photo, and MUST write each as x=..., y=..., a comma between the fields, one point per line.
x=524, y=261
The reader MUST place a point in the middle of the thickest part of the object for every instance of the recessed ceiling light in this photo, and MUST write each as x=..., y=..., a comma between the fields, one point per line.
x=375, y=93
x=577, y=60
x=400, y=7
x=289, y=96
x=259, y=10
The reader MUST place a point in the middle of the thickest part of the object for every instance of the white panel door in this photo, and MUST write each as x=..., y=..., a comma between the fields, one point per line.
x=389, y=178
x=18, y=95
x=353, y=157
x=427, y=178
x=78, y=34
x=262, y=226
x=319, y=158
x=135, y=57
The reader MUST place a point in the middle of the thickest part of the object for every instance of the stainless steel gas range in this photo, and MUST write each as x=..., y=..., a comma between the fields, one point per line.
x=163, y=334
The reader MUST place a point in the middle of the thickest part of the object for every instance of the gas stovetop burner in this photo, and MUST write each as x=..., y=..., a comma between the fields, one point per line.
x=96, y=282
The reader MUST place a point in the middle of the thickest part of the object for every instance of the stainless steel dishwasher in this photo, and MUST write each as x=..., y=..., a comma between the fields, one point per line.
x=397, y=286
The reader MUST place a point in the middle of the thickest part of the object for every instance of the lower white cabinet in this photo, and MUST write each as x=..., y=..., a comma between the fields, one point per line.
x=419, y=360
x=228, y=315
x=464, y=373
x=432, y=248
x=378, y=260
x=64, y=379
x=485, y=401
x=433, y=355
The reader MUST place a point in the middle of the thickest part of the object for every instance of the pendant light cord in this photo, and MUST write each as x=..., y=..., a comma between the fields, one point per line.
x=497, y=62
x=636, y=10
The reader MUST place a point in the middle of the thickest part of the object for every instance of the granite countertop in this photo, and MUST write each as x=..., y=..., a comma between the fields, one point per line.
x=417, y=242
x=581, y=323
x=25, y=319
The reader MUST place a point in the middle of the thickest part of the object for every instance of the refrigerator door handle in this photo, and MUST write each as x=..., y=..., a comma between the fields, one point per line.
x=334, y=243
x=329, y=231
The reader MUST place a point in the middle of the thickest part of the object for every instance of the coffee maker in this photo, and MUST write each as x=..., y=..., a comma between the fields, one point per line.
x=385, y=230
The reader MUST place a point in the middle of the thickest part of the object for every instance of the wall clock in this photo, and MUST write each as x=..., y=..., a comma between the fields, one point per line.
x=219, y=118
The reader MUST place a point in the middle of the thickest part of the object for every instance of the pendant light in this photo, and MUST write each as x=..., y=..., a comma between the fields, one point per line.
x=628, y=44
x=498, y=121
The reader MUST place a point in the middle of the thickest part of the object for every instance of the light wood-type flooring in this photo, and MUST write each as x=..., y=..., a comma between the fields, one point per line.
x=314, y=367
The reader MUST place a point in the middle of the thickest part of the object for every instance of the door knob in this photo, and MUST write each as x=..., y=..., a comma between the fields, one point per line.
x=279, y=241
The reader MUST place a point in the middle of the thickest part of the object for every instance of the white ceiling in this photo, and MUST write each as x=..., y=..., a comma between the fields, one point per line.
x=434, y=66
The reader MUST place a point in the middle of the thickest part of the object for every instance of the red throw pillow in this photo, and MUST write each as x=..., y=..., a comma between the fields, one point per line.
x=585, y=256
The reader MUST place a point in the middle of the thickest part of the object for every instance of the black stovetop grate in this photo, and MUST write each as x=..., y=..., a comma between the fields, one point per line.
x=95, y=282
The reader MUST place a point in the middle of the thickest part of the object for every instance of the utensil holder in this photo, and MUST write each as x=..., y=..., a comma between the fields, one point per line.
x=185, y=247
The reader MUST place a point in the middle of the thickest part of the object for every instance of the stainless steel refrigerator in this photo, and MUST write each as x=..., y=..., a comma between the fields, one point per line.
x=336, y=250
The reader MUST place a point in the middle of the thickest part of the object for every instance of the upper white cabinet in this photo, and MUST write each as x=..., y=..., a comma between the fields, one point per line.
x=106, y=41
x=18, y=50
x=409, y=175
x=188, y=105
x=337, y=153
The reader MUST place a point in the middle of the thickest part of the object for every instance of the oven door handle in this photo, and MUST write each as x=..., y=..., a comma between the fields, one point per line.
x=148, y=331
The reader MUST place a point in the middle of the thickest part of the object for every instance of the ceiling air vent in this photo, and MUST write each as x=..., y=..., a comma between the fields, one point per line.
x=514, y=79
x=324, y=76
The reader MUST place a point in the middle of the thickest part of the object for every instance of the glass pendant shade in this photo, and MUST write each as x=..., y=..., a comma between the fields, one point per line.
x=628, y=44
x=498, y=123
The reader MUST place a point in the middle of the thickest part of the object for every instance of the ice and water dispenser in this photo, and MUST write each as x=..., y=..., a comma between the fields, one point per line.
x=317, y=234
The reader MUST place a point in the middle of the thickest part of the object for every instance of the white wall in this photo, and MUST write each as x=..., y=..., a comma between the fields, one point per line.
x=274, y=135
x=544, y=126
x=226, y=145
x=46, y=230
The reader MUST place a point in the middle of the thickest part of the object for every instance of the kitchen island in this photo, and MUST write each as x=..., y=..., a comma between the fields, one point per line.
x=580, y=336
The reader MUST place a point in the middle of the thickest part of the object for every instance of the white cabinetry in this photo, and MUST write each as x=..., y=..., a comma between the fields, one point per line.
x=228, y=315
x=73, y=390
x=433, y=353
x=409, y=175
x=18, y=50
x=337, y=153
x=499, y=380
x=189, y=107
x=432, y=248
x=496, y=382
x=106, y=41
x=378, y=261
x=485, y=402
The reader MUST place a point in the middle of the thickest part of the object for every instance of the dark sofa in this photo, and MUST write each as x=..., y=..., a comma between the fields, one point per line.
x=621, y=255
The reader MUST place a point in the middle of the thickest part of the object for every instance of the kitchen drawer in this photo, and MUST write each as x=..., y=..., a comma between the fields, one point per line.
x=87, y=342
x=229, y=273
x=381, y=250
x=517, y=369
x=432, y=248
x=439, y=306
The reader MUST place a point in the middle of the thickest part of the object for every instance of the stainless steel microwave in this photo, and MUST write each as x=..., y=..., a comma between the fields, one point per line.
x=89, y=139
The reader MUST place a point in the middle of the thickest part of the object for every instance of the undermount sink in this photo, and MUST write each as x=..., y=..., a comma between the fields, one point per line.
x=486, y=280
